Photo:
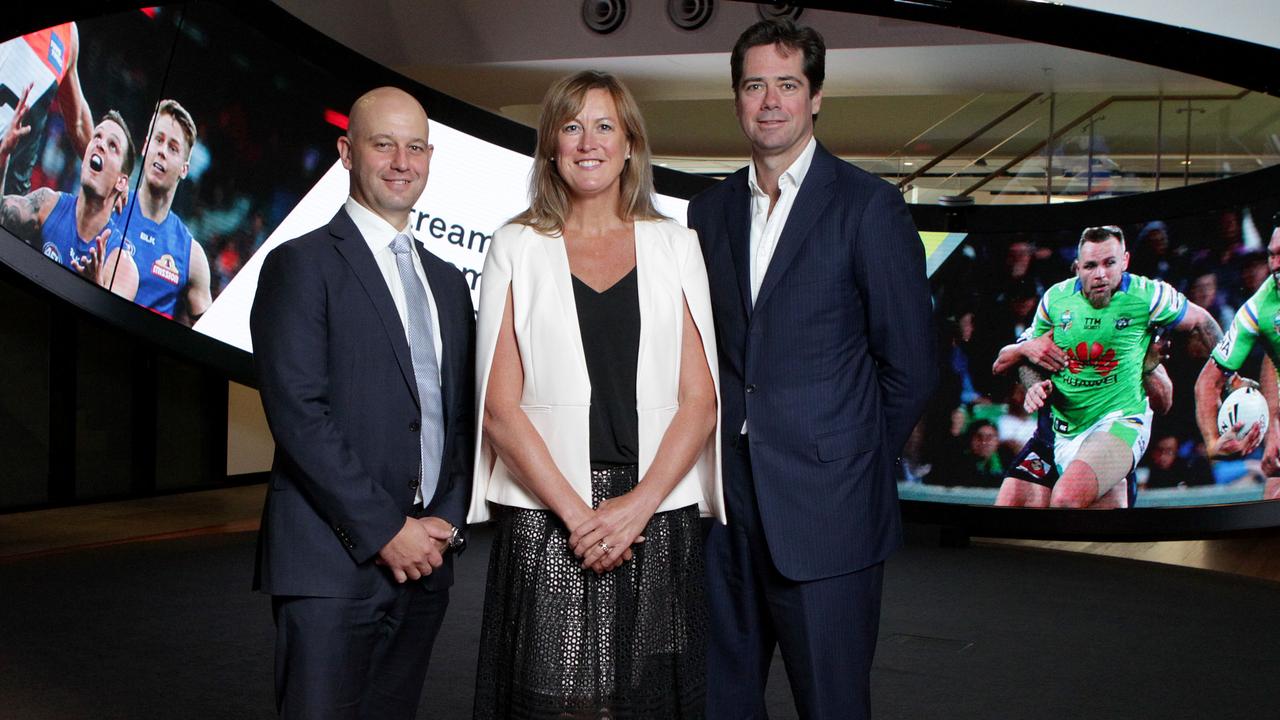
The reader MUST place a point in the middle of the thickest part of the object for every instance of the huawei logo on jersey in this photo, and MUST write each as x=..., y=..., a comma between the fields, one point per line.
x=1086, y=355
x=166, y=269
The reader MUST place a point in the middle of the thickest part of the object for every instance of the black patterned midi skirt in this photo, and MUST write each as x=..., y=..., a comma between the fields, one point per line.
x=559, y=641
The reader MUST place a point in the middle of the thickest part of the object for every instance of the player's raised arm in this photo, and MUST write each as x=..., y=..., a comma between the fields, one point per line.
x=71, y=101
x=24, y=215
x=16, y=130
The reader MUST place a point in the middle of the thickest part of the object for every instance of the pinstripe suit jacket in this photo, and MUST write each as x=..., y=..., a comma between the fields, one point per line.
x=831, y=368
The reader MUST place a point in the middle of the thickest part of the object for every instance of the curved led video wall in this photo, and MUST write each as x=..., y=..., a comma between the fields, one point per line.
x=160, y=153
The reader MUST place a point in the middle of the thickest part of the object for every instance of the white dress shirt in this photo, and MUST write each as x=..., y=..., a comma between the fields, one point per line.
x=766, y=226
x=378, y=233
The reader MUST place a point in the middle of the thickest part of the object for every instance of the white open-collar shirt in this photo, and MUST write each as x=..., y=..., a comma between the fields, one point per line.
x=766, y=227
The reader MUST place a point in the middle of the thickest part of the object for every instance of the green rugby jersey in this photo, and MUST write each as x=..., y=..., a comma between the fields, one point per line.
x=1105, y=347
x=1259, y=316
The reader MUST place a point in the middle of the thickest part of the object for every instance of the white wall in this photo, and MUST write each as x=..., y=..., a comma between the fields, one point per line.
x=249, y=444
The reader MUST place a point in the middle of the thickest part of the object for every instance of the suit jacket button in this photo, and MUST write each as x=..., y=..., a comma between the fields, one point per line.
x=413, y=484
x=751, y=389
x=415, y=426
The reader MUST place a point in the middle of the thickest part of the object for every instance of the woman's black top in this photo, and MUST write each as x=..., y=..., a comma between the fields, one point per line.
x=610, y=325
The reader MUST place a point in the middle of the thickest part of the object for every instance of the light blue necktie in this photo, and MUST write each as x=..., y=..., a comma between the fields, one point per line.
x=426, y=369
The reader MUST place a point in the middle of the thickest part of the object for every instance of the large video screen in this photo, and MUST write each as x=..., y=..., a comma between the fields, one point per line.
x=162, y=153
x=1133, y=340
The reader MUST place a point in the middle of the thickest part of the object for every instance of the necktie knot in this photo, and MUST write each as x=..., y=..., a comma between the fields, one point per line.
x=402, y=243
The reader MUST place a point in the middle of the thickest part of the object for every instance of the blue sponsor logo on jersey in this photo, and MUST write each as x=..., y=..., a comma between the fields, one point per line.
x=51, y=251
x=1122, y=323
x=57, y=52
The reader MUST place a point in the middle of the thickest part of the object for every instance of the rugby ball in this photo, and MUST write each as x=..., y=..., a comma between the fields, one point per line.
x=1245, y=405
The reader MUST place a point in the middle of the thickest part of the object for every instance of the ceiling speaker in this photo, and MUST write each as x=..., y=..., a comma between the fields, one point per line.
x=778, y=10
x=690, y=14
x=604, y=16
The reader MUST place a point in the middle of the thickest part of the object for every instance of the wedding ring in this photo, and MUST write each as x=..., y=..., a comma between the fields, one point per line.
x=605, y=546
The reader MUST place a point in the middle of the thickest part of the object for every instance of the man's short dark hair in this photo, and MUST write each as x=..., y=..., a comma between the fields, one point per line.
x=126, y=165
x=1101, y=233
x=784, y=32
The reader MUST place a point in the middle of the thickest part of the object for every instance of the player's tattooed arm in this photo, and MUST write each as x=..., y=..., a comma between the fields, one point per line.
x=1030, y=375
x=23, y=215
x=1203, y=331
x=1159, y=389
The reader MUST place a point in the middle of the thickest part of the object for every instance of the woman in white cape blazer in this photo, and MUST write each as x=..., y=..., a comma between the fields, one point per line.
x=557, y=389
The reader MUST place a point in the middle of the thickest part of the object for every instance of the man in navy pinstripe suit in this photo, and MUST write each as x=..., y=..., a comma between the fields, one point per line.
x=822, y=317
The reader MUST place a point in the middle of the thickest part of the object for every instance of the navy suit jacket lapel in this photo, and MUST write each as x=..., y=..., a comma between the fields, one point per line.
x=738, y=224
x=815, y=192
x=351, y=244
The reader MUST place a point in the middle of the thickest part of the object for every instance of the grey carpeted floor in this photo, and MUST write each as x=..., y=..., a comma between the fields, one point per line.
x=171, y=630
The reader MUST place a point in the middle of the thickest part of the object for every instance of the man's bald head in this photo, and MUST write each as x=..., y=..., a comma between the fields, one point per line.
x=387, y=153
x=381, y=99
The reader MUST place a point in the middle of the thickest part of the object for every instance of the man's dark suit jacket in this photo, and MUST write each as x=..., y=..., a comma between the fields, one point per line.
x=338, y=387
x=830, y=369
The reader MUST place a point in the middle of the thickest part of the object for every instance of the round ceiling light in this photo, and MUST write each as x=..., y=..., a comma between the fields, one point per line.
x=604, y=16
x=690, y=14
x=778, y=10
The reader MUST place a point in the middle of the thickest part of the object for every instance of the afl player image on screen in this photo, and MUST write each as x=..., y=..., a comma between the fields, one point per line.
x=75, y=231
x=173, y=270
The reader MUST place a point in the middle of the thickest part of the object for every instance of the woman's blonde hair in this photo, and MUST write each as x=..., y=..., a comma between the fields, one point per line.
x=549, y=197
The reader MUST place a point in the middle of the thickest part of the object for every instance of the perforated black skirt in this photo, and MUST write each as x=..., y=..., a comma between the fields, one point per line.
x=562, y=642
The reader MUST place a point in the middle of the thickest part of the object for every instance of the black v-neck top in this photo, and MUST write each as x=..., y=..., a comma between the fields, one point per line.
x=609, y=322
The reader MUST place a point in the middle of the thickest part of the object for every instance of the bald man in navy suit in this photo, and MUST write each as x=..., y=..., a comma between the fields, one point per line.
x=822, y=315
x=365, y=347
